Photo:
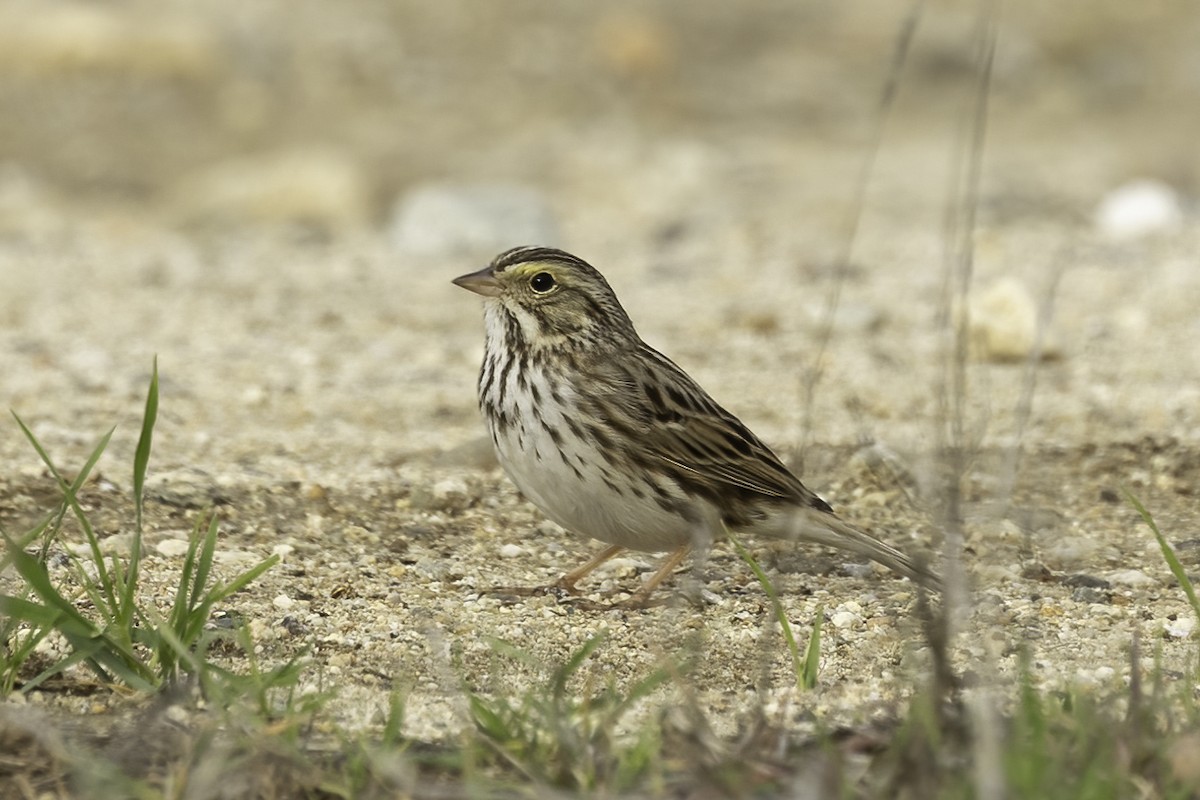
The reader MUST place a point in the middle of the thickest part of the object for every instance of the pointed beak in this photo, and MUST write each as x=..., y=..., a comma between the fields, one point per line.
x=482, y=282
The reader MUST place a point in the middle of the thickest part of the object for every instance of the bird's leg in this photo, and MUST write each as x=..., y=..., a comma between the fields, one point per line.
x=640, y=598
x=567, y=582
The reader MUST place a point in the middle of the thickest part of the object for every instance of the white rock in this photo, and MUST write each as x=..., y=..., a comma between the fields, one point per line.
x=1131, y=577
x=283, y=602
x=1070, y=552
x=448, y=488
x=1181, y=628
x=447, y=494
x=185, y=487
x=845, y=619
x=511, y=551
x=1095, y=677
x=1004, y=323
x=440, y=218
x=235, y=558
x=852, y=606
x=172, y=548
x=1139, y=208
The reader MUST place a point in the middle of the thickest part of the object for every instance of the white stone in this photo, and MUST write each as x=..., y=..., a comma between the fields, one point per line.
x=444, y=218
x=449, y=488
x=235, y=558
x=1131, y=577
x=1139, y=208
x=172, y=548
x=446, y=494
x=1095, y=677
x=1181, y=628
x=511, y=551
x=845, y=619
x=1004, y=323
x=283, y=602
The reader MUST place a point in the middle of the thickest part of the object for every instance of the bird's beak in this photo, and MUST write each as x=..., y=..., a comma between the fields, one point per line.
x=482, y=282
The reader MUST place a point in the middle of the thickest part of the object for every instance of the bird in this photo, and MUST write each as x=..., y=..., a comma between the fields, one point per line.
x=613, y=441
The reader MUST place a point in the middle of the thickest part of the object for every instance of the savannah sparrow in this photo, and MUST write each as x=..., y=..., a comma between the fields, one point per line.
x=610, y=439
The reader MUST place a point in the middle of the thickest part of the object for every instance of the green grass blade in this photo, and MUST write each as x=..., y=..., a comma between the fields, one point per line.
x=83, y=473
x=36, y=614
x=202, y=565
x=35, y=576
x=70, y=491
x=223, y=590
x=489, y=722
x=572, y=665
x=507, y=649
x=141, y=457
x=639, y=690
x=1168, y=553
x=25, y=539
x=183, y=589
x=128, y=578
x=800, y=665
x=393, y=726
x=196, y=616
x=77, y=655
x=812, y=653
x=107, y=655
x=173, y=652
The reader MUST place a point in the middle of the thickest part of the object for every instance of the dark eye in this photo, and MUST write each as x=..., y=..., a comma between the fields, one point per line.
x=542, y=282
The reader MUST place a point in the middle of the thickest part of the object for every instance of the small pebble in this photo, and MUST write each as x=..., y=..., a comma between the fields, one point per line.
x=185, y=487
x=445, y=218
x=447, y=494
x=1139, y=208
x=1086, y=581
x=845, y=619
x=860, y=571
x=1004, y=323
x=1091, y=596
x=235, y=558
x=511, y=551
x=1094, y=677
x=1181, y=628
x=1131, y=577
x=172, y=548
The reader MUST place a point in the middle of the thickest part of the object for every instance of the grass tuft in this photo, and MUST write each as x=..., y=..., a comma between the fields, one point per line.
x=557, y=736
x=125, y=639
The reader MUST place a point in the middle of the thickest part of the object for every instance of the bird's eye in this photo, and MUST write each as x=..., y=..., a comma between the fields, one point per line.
x=542, y=282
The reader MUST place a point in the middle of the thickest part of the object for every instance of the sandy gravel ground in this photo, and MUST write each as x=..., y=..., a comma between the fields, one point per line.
x=228, y=207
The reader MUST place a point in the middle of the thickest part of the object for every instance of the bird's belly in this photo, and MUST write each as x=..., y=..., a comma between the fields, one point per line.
x=585, y=494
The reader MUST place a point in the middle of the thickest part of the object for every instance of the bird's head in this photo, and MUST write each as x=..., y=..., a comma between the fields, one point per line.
x=552, y=296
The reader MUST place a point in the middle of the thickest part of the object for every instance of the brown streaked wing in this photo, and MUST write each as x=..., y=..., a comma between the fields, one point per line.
x=689, y=430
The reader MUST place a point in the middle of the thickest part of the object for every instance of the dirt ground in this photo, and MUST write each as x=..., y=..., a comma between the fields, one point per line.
x=225, y=189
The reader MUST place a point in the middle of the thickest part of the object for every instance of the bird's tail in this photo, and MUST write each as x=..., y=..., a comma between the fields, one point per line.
x=821, y=527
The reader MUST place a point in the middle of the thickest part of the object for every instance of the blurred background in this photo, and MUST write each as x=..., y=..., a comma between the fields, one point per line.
x=274, y=195
x=219, y=113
